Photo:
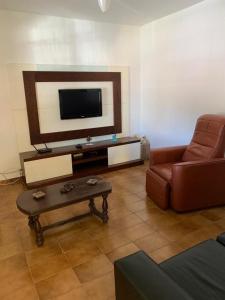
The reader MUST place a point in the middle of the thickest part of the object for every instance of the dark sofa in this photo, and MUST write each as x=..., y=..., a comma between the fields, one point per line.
x=195, y=274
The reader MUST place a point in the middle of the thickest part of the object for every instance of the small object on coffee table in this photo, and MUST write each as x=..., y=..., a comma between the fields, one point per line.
x=54, y=200
x=38, y=195
x=92, y=181
x=67, y=188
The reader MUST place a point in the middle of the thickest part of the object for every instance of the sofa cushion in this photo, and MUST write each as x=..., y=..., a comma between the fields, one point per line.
x=163, y=170
x=200, y=270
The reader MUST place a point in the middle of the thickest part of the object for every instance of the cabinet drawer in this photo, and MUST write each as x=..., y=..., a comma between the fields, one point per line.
x=46, y=168
x=124, y=153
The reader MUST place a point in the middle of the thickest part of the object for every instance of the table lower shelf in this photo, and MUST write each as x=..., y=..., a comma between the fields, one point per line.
x=34, y=223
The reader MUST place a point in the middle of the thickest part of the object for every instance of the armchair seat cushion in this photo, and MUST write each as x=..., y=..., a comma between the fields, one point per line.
x=163, y=170
x=200, y=270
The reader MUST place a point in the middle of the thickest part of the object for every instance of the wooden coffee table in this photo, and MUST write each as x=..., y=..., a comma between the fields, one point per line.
x=54, y=199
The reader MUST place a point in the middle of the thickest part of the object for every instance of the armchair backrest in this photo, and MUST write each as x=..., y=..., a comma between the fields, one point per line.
x=208, y=140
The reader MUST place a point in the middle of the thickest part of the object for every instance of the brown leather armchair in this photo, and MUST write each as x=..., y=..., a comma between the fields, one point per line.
x=190, y=177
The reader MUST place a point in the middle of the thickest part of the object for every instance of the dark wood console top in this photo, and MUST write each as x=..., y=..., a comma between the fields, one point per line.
x=33, y=155
x=54, y=199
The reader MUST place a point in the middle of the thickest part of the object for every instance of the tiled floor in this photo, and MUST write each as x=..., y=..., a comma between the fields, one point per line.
x=76, y=261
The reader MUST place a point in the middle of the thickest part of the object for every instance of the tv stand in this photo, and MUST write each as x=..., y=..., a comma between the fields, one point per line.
x=69, y=162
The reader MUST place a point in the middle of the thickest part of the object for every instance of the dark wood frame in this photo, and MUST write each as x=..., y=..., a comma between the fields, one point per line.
x=31, y=77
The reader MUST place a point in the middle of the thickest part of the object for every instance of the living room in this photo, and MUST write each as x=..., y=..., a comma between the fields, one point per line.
x=156, y=71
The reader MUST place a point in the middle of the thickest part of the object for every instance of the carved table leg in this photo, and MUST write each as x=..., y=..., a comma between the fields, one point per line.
x=92, y=206
x=105, y=208
x=38, y=231
x=31, y=222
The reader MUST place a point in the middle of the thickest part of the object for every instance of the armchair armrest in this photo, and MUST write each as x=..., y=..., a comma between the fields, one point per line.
x=138, y=277
x=198, y=184
x=166, y=155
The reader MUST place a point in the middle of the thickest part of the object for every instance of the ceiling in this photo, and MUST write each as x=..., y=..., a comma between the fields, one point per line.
x=132, y=12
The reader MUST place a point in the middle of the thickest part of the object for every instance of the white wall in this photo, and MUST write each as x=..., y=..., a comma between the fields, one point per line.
x=182, y=72
x=44, y=42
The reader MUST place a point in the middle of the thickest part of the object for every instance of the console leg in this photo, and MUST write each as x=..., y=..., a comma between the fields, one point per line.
x=38, y=231
x=105, y=208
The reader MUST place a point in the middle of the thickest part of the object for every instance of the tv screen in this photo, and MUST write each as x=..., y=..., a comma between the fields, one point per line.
x=80, y=103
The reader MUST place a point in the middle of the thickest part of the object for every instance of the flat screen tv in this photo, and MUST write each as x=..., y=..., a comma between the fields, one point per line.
x=80, y=103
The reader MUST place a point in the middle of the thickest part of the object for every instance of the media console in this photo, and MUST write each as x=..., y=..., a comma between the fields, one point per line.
x=69, y=162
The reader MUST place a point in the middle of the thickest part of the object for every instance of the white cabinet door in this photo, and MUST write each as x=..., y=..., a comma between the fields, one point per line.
x=46, y=168
x=124, y=153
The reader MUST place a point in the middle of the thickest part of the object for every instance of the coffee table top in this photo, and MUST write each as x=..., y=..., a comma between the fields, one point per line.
x=55, y=199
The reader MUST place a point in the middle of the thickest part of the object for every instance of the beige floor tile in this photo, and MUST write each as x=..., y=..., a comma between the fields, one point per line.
x=195, y=219
x=28, y=240
x=214, y=214
x=118, y=212
x=177, y=231
x=101, y=288
x=14, y=274
x=77, y=294
x=10, y=250
x=48, y=267
x=37, y=255
x=140, y=205
x=221, y=223
x=125, y=222
x=197, y=236
x=61, y=232
x=166, y=252
x=83, y=252
x=156, y=217
x=8, y=234
x=97, y=267
x=71, y=241
x=127, y=197
x=151, y=242
x=56, y=215
x=16, y=263
x=122, y=252
x=102, y=232
x=58, y=284
x=91, y=223
x=112, y=242
x=24, y=293
x=138, y=231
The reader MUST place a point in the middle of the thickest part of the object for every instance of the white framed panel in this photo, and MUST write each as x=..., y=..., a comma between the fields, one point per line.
x=124, y=153
x=49, y=112
x=46, y=168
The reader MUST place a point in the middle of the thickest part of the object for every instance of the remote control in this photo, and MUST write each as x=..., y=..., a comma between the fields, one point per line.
x=92, y=181
x=38, y=195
